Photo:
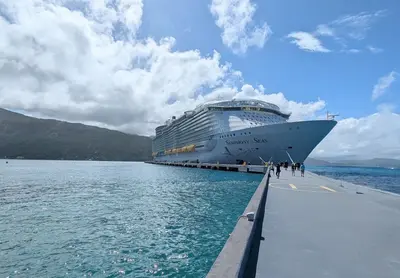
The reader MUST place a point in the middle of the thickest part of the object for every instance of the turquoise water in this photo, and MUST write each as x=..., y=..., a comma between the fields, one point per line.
x=110, y=219
x=378, y=178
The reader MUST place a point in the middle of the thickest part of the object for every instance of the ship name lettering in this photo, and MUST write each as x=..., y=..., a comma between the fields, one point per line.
x=258, y=140
x=237, y=142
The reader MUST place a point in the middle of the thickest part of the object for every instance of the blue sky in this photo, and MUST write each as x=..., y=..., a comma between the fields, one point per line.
x=344, y=80
x=131, y=64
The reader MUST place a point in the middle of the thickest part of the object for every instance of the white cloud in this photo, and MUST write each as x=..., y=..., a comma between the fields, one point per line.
x=386, y=107
x=344, y=28
x=300, y=111
x=373, y=136
x=307, y=41
x=383, y=84
x=374, y=50
x=66, y=64
x=235, y=18
x=324, y=30
x=356, y=26
x=352, y=51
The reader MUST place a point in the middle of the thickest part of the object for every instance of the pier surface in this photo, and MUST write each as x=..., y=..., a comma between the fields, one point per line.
x=315, y=226
x=320, y=227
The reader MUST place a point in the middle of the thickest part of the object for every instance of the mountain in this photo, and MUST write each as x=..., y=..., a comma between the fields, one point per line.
x=33, y=138
x=375, y=162
x=316, y=162
x=341, y=161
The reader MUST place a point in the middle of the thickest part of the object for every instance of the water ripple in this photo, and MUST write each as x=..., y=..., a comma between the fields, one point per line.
x=378, y=178
x=108, y=219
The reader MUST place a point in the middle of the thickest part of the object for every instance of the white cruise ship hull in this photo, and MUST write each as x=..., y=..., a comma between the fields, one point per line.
x=275, y=141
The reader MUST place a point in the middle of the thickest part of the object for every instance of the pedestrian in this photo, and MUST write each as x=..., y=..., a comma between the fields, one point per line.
x=278, y=170
x=286, y=165
x=293, y=169
x=302, y=168
x=272, y=167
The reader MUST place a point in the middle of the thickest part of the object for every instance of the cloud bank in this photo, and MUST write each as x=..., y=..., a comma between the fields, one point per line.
x=82, y=61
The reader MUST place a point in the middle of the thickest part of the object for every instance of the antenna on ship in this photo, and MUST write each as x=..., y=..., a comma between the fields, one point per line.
x=331, y=116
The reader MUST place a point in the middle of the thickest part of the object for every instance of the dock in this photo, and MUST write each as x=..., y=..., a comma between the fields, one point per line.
x=314, y=226
x=256, y=169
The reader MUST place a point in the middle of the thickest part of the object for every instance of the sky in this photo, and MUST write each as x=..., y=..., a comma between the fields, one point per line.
x=131, y=64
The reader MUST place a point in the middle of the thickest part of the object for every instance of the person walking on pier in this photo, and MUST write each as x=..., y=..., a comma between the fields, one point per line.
x=302, y=168
x=278, y=170
x=293, y=169
x=286, y=165
x=272, y=167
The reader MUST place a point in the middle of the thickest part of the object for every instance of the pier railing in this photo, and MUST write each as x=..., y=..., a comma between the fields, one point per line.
x=238, y=257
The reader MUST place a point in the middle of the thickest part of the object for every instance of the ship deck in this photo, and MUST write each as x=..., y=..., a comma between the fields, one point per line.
x=314, y=227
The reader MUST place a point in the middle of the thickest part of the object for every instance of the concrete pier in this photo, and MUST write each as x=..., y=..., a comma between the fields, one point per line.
x=256, y=169
x=314, y=226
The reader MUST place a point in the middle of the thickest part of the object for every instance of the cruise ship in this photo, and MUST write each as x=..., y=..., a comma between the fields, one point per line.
x=236, y=132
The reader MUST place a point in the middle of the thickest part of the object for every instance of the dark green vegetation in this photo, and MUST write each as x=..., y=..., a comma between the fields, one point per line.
x=32, y=138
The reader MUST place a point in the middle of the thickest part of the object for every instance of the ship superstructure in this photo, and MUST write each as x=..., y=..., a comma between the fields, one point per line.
x=235, y=131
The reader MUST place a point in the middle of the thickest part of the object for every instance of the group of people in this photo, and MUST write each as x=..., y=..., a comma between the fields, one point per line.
x=294, y=167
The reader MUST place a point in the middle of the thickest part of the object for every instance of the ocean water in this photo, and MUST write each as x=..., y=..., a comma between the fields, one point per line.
x=378, y=178
x=112, y=219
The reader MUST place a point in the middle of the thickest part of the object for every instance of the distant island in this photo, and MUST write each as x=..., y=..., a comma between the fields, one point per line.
x=375, y=162
x=32, y=138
